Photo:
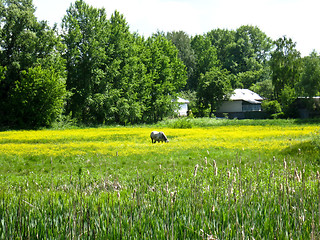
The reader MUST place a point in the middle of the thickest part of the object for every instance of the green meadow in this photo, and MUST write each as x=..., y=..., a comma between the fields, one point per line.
x=215, y=179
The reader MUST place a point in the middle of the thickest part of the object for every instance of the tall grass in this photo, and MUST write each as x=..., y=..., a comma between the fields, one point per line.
x=236, y=202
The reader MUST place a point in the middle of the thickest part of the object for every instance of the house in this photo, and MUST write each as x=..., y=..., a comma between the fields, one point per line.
x=183, y=107
x=243, y=103
x=308, y=107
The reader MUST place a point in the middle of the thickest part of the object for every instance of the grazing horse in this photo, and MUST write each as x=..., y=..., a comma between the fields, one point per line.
x=158, y=136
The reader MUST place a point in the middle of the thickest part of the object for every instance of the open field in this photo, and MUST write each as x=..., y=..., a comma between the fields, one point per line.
x=238, y=180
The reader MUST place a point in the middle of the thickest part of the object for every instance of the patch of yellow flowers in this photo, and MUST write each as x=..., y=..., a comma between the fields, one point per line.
x=130, y=141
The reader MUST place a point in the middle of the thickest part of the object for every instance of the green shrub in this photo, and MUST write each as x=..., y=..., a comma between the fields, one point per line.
x=38, y=98
x=272, y=108
x=182, y=123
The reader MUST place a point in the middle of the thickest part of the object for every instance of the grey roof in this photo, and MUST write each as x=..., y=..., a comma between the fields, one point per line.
x=246, y=95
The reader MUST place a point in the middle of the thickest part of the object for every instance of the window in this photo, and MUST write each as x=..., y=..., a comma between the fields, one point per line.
x=248, y=107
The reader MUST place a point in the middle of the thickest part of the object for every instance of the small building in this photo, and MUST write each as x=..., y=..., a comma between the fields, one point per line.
x=243, y=103
x=308, y=107
x=183, y=107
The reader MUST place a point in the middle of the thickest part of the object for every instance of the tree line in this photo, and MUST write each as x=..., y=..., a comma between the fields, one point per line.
x=93, y=70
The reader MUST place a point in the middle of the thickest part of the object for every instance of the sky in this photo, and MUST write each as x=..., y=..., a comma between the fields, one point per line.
x=296, y=19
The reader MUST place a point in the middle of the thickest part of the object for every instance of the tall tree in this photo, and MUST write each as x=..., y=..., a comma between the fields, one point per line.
x=265, y=89
x=38, y=97
x=183, y=43
x=114, y=75
x=206, y=58
x=243, y=52
x=29, y=52
x=85, y=33
x=127, y=74
x=309, y=85
x=285, y=65
x=255, y=45
x=167, y=75
x=221, y=39
x=214, y=86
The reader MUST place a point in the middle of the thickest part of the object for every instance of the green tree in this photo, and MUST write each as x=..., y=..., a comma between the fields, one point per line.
x=28, y=44
x=309, y=85
x=206, y=59
x=248, y=78
x=272, y=108
x=287, y=99
x=285, y=66
x=38, y=97
x=85, y=34
x=265, y=89
x=221, y=39
x=128, y=72
x=114, y=75
x=254, y=48
x=214, y=86
x=182, y=41
x=166, y=76
x=243, y=52
x=248, y=55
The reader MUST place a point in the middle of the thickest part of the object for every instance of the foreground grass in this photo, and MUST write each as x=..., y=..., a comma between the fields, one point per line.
x=208, y=203
x=223, y=182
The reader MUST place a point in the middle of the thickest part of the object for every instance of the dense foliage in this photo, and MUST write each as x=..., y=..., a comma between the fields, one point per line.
x=94, y=70
x=32, y=85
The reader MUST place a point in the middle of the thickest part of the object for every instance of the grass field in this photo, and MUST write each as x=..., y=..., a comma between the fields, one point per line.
x=215, y=179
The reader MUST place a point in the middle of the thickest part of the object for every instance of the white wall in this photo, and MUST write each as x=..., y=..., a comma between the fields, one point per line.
x=183, y=109
x=231, y=106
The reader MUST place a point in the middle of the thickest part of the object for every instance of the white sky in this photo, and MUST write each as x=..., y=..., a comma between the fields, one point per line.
x=297, y=19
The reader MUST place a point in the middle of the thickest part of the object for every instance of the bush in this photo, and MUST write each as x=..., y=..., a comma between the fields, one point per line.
x=272, y=108
x=182, y=123
x=38, y=98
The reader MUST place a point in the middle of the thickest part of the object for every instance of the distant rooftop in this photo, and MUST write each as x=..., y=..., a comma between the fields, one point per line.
x=246, y=95
x=181, y=100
